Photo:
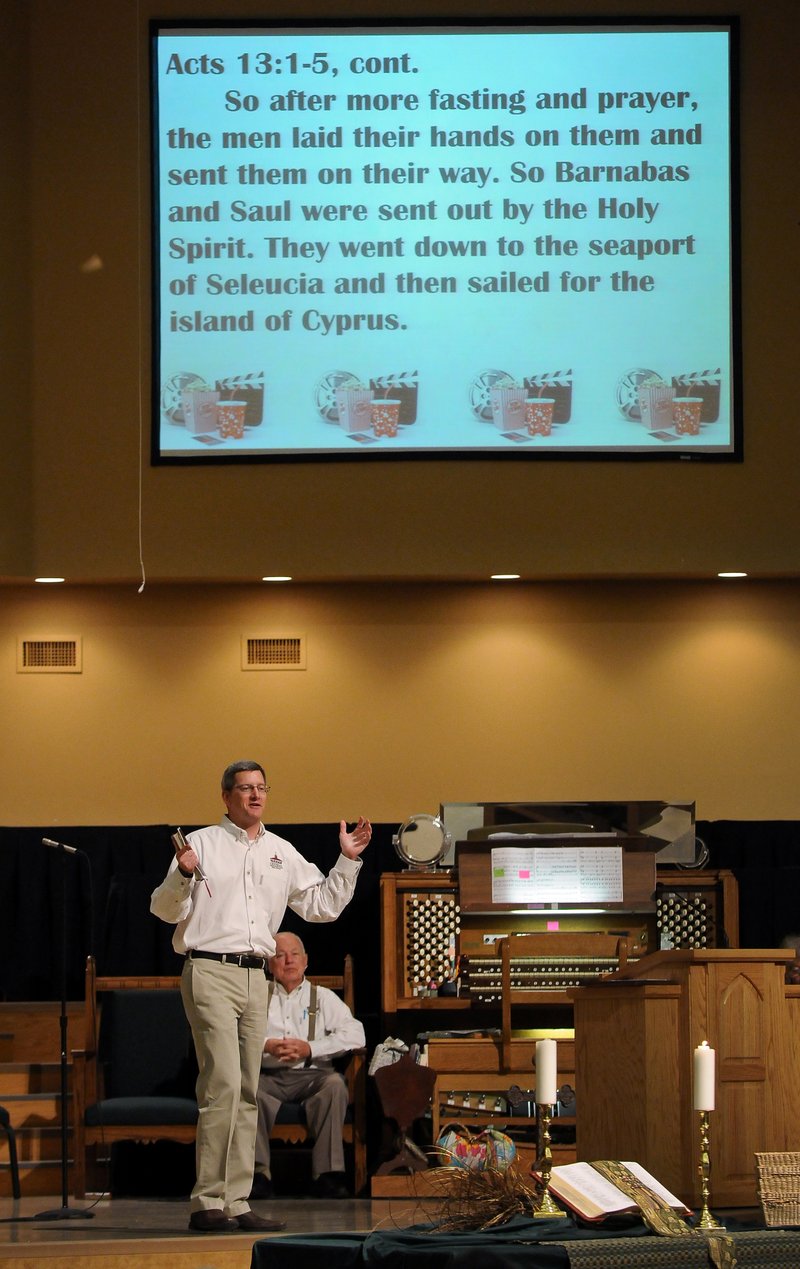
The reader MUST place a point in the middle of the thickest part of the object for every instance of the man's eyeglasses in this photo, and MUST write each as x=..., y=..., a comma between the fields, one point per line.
x=251, y=788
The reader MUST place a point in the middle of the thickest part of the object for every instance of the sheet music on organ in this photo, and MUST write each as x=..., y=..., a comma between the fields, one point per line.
x=556, y=874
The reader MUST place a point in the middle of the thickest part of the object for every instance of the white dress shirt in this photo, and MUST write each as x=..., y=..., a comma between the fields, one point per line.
x=250, y=885
x=336, y=1030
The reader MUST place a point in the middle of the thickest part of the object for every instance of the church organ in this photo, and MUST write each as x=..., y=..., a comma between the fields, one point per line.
x=442, y=975
x=427, y=936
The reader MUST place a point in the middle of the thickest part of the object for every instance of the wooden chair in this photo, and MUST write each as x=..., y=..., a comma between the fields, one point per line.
x=134, y=1080
x=562, y=945
x=290, y=1125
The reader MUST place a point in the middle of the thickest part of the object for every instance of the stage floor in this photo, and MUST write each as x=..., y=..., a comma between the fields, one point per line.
x=153, y=1233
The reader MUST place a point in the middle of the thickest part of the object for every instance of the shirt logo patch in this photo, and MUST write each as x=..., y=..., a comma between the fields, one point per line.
x=276, y=862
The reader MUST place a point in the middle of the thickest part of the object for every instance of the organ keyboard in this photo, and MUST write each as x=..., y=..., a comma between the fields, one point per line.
x=440, y=953
x=482, y=980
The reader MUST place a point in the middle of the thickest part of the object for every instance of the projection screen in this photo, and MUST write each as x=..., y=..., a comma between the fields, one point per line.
x=429, y=241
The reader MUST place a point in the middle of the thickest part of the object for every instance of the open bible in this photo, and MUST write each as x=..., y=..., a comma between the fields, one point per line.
x=589, y=1191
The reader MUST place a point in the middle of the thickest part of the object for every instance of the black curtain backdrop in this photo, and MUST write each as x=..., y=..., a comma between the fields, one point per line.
x=107, y=890
x=764, y=855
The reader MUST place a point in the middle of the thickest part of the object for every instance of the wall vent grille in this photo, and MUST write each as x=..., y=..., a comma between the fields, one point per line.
x=273, y=652
x=49, y=656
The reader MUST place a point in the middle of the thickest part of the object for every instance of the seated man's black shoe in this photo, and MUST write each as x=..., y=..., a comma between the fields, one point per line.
x=262, y=1187
x=330, y=1185
x=258, y=1224
x=211, y=1220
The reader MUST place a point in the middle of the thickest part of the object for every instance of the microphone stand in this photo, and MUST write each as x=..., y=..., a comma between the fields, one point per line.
x=65, y=1212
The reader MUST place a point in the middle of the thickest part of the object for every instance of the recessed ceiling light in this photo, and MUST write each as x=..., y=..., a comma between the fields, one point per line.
x=731, y=574
x=276, y=578
x=505, y=577
x=48, y=580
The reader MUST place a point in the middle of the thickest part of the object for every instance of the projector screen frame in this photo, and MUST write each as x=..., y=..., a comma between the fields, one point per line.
x=168, y=391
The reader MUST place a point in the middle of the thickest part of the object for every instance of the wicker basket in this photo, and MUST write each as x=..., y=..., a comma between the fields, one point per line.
x=779, y=1187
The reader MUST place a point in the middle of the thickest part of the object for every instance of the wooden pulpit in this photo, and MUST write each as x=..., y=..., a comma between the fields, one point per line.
x=635, y=1035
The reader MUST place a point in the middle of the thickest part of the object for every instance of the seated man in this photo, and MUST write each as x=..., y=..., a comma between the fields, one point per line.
x=307, y=1026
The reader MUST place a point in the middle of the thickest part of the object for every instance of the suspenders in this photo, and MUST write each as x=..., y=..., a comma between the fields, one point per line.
x=312, y=1012
x=312, y=1007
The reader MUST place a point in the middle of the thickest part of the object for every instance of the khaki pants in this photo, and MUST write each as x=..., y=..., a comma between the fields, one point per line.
x=324, y=1095
x=227, y=1008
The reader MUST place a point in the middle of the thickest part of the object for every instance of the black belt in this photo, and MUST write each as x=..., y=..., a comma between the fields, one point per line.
x=243, y=959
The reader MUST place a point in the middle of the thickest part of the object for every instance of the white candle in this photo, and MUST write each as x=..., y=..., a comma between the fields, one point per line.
x=704, y=1084
x=546, y=1072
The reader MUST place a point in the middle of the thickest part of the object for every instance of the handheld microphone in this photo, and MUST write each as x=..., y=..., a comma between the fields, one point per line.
x=70, y=850
x=180, y=843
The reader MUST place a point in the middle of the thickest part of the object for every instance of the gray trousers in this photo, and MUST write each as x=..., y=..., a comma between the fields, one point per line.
x=324, y=1097
x=226, y=1007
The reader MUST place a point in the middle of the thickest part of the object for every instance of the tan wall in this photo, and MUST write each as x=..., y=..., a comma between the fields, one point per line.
x=79, y=77
x=412, y=696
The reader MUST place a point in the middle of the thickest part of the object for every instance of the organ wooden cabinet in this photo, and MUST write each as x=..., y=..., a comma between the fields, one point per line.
x=442, y=933
x=427, y=931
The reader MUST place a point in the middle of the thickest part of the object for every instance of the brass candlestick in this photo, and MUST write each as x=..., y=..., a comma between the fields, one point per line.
x=707, y=1221
x=546, y=1205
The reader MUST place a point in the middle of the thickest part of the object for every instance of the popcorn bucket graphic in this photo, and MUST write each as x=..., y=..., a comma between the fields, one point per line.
x=508, y=408
x=354, y=408
x=655, y=405
x=199, y=410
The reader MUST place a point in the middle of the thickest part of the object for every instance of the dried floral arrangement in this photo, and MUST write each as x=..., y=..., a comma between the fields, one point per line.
x=474, y=1200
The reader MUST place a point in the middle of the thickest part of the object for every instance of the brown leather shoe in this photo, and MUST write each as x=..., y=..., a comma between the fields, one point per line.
x=251, y=1221
x=211, y=1220
x=330, y=1185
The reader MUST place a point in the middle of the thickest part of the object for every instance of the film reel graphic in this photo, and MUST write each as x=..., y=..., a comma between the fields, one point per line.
x=480, y=389
x=171, y=403
x=325, y=392
x=627, y=392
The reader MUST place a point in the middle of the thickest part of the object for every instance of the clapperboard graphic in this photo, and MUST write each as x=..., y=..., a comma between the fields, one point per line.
x=704, y=384
x=247, y=388
x=402, y=387
x=556, y=384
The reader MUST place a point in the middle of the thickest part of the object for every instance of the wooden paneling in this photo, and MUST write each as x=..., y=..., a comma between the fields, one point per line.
x=32, y=1030
x=635, y=1038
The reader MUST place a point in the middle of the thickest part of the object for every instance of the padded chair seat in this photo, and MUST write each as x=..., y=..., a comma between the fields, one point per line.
x=139, y=1111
